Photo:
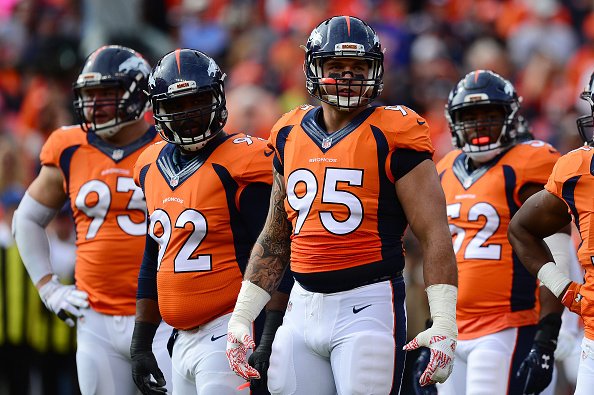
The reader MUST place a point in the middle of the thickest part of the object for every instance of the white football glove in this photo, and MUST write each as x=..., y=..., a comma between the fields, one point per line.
x=64, y=300
x=250, y=301
x=566, y=343
x=441, y=337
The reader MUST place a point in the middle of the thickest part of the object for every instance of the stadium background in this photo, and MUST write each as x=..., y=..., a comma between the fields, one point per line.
x=545, y=47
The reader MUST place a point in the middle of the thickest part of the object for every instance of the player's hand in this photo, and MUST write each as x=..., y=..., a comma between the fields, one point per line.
x=442, y=345
x=239, y=341
x=144, y=363
x=64, y=300
x=537, y=368
x=572, y=298
x=418, y=368
x=260, y=360
x=250, y=301
x=565, y=344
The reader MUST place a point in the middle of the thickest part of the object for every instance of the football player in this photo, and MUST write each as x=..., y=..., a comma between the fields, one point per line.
x=348, y=179
x=567, y=196
x=494, y=169
x=207, y=194
x=91, y=166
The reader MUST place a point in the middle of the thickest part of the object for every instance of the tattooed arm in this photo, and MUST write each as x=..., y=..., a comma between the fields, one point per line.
x=268, y=262
x=271, y=253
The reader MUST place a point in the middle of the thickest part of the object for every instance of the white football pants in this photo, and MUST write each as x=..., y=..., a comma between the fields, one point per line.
x=348, y=342
x=103, y=354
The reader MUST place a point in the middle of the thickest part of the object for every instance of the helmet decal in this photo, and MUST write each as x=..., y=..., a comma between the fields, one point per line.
x=187, y=92
x=344, y=37
x=118, y=76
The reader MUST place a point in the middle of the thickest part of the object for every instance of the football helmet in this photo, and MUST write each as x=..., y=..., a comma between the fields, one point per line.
x=344, y=37
x=188, y=97
x=585, y=124
x=121, y=71
x=483, y=138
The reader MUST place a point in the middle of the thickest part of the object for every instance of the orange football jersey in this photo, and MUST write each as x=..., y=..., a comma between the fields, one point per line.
x=341, y=198
x=109, y=213
x=495, y=291
x=194, y=217
x=572, y=180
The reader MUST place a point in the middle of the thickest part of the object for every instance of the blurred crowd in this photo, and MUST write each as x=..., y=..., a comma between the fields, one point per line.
x=545, y=47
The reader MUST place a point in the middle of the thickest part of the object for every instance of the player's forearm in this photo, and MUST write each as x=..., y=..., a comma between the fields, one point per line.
x=549, y=303
x=278, y=302
x=439, y=262
x=531, y=250
x=28, y=228
x=268, y=261
x=271, y=254
x=147, y=310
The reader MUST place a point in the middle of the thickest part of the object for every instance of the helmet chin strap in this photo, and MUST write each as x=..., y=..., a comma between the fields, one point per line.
x=484, y=156
x=346, y=103
x=109, y=129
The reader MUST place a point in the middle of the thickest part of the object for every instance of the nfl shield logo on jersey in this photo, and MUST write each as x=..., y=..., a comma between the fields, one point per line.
x=117, y=154
x=327, y=142
x=174, y=181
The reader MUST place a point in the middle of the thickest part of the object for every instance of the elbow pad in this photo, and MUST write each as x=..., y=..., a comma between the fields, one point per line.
x=28, y=229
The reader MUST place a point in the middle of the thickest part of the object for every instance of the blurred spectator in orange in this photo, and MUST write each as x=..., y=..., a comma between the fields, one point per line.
x=252, y=110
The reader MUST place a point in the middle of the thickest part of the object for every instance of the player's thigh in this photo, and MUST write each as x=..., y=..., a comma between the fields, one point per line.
x=102, y=369
x=494, y=360
x=295, y=368
x=367, y=355
x=199, y=361
x=366, y=365
x=585, y=377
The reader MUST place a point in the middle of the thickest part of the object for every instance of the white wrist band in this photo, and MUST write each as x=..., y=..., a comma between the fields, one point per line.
x=442, y=305
x=560, y=246
x=553, y=278
x=250, y=301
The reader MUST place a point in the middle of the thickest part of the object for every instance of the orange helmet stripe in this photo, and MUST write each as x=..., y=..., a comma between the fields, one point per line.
x=177, y=54
x=348, y=21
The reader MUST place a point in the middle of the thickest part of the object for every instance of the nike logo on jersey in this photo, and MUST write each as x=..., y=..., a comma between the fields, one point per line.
x=213, y=338
x=420, y=122
x=356, y=310
x=268, y=153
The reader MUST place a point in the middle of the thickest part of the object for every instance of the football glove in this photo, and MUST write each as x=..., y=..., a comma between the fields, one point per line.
x=566, y=343
x=418, y=368
x=572, y=298
x=441, y=337
x=537, y=368
x=64, y=300
x=250, y=301
x=144, y=363
x=260, y=358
